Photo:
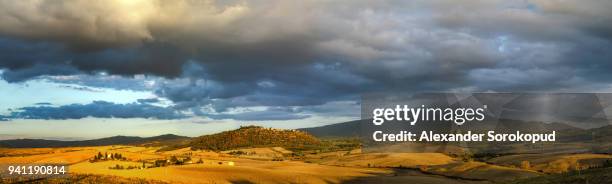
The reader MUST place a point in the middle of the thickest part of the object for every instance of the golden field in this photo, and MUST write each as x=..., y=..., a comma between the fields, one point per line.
x=214, y=169
x=277, y=165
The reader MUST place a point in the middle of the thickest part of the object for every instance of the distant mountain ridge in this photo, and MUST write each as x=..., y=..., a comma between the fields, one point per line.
x=346, y=129
x=115, y=140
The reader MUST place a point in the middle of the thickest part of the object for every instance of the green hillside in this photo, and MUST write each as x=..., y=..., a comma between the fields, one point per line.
x=255, y=136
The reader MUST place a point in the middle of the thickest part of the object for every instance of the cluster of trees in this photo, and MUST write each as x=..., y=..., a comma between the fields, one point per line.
x=174, y=160
x=254, y=136
x=120, y=167
x=107, y=156
x=238, y=153
x=563, y=166
x=575, y=165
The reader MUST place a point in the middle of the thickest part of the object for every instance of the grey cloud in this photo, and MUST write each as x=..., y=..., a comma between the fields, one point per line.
x=298, y=86
x=28, y=59
x=251, y=35
x=136, y=83
x=334, y=109
x=82, y=88
x=508, y=78
x=37, y=70
x=275, y=113
x=287, y=53
x=98, y=109
x=148, y=100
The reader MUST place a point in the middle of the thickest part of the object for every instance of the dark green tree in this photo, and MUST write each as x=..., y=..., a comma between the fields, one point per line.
x=173, y=159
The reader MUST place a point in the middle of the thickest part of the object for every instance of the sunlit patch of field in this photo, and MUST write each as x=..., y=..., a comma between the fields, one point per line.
x=25, y=151
x=413, y=176
x=481, y=171
x=66, y=156
x=71, y=155
x=387, y=159
x=266, y=153
x=244, y=170
x=11, y=152
x=177, y=152
x=195, y=153
x=135, y=149
x=329, y=167
x=82, y=178
x=215, y=169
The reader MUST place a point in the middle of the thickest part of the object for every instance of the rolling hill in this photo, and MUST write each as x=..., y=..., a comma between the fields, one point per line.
x=254, y=136
x=599, y=175
x=127, y=140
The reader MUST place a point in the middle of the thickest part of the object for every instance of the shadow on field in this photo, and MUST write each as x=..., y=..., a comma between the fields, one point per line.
x=413, y=176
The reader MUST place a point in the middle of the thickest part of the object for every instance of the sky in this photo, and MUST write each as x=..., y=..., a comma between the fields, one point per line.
x=78, y=69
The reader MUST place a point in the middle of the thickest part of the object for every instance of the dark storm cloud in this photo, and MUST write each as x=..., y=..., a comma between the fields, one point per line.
x=299, y=86
x=288, y=53
x=26, y=60
x=101, y=80
x=98, y=109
